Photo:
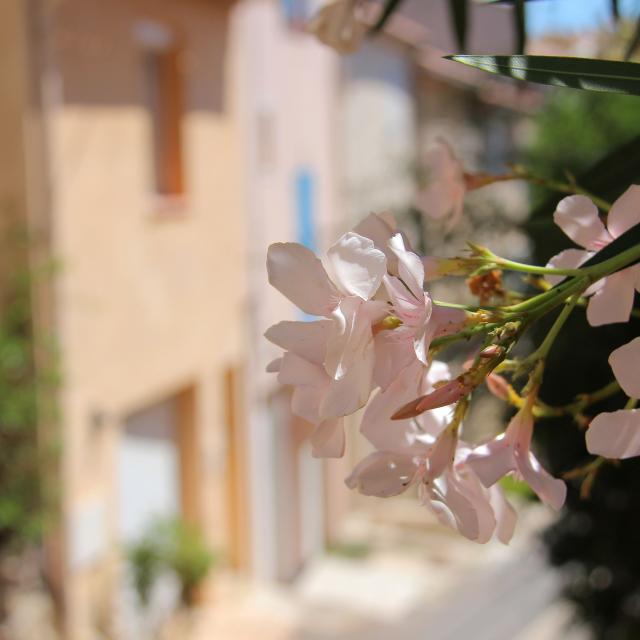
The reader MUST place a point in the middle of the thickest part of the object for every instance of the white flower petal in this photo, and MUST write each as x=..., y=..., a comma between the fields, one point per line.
x=443, y=453
x=383, y=474
x=614, y=301
x=296, y=272
x=625, y=362
x=451, y=506
x=350, y=392
x=410, y=267
x=615, y=435
x=306, y=339
x=378, y=227
x=305, y=402
x=355, y=266
x=328, y=439
x=377, y=427
x=550, y=490
x=506, y=516
x=349, y=338
x=393, y=352
x=567, y=259
x=405, y=305
x=444, y=194
x=624, y=212
x=578, y=217
x=296, y=371
x=492, y=461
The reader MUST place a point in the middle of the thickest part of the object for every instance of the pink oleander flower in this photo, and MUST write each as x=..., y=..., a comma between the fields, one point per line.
x=611, y=297
x=302, y=366
x=341, y=290
x=337, y=25
x=461, y=502
x=421, y=319
x=511, y=452
x=616, y=434
x=390, y=435
x=447, y=487
x=443, y=196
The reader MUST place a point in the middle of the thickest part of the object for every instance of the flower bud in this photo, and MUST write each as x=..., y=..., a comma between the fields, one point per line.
x=447, y=394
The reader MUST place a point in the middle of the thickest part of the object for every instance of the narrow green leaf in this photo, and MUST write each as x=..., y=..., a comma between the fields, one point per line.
x=577, y=73
x=615, y=10
x=519, y=18
x=459, y=13
x=387, y=12
x=634, y=42
x=627, y=240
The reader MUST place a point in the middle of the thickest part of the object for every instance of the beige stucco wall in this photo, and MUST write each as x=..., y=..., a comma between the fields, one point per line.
x=149, y=302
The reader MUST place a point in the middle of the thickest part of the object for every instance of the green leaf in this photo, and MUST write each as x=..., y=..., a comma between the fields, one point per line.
x=577, y=73
x=459, y=14
x=519, y=18
x=387, y=12
x=629, y=239
x=615, y=10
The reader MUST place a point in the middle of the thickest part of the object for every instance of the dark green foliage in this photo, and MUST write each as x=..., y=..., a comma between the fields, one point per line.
x=520, y=24
x=595, y=539
x=610, y=76
x=24, y=501
x=459, y=14
x=146, y=564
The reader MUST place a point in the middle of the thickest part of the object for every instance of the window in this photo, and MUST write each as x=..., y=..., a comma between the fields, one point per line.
x=163, y=98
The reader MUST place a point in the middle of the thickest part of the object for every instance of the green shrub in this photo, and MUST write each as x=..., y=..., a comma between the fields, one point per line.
x=175, y=546
x=146, y=564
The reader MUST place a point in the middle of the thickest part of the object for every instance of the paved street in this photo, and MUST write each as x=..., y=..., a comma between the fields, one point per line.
x=416, y=584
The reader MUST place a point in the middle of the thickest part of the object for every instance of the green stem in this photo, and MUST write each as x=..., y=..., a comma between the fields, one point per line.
x=564, y=187
x=543, y=350
x=547, y=300
x=481, y=180
x=584, y=401
x=510, y=265
x=465, y=307
x=465, y=334
x=616, y=263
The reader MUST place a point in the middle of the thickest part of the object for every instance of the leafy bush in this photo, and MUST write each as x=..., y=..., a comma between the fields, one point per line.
x=595, y=538
x=146, y=564
x=26, y=403
x=175, y=546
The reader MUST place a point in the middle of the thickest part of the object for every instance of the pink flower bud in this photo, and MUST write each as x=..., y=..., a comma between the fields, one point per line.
x=447, y=394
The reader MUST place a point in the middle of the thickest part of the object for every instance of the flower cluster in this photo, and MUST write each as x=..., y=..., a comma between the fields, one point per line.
x=378, y=332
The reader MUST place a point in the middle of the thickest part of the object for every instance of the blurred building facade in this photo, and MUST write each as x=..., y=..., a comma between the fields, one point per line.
x=120, y=157
x=286, y=85
x=154, y=150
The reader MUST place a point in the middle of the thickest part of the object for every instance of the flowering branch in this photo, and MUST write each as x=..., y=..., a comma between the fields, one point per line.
x=378, y=332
